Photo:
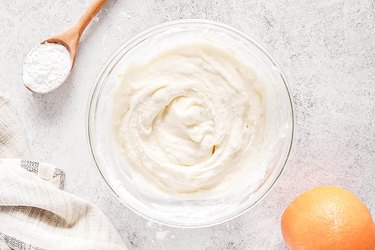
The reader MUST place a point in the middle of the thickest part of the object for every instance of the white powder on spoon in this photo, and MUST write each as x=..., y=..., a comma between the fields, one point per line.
x=46, y=67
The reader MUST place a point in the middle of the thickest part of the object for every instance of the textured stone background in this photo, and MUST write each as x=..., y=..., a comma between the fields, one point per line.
x=325, y=48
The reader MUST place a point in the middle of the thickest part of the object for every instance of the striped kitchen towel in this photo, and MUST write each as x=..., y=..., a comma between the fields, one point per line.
x=35, y=213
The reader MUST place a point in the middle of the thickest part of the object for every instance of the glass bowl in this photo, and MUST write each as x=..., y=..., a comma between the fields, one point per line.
x=184, y=211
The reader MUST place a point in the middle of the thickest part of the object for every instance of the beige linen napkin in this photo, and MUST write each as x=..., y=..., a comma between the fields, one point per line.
x=34, y=212
x=12, y=141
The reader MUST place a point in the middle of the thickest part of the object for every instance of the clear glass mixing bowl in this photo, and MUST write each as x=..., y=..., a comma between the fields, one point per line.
x=180, y=211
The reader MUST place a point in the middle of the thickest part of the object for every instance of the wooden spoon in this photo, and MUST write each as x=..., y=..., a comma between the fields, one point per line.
x=71, y=37
x=46, y=66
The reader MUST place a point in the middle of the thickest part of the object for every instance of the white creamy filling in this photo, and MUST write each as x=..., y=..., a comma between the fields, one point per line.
x=190, y=119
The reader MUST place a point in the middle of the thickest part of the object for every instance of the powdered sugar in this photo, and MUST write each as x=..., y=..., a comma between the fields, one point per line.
x=46, y=67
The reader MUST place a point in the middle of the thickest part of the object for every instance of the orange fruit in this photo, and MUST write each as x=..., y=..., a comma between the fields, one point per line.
x=328, y=218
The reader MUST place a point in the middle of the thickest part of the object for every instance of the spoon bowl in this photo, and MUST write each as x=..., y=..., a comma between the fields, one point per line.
x=70, y=40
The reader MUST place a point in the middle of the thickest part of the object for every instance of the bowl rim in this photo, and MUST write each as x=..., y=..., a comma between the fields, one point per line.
x=106, y=69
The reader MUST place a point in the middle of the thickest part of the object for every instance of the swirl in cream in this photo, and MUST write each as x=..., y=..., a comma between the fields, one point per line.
x=190, y=118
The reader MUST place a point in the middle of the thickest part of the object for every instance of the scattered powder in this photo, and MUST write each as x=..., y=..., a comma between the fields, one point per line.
x=86, y=4
x=161, y=235
x=46, y=67
x=125, y=14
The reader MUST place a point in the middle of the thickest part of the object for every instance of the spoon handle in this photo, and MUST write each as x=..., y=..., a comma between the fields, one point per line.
x=70, y=38
x=89, y=14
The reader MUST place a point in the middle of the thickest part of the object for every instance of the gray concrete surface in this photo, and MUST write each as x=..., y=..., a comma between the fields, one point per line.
x=326, y=49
